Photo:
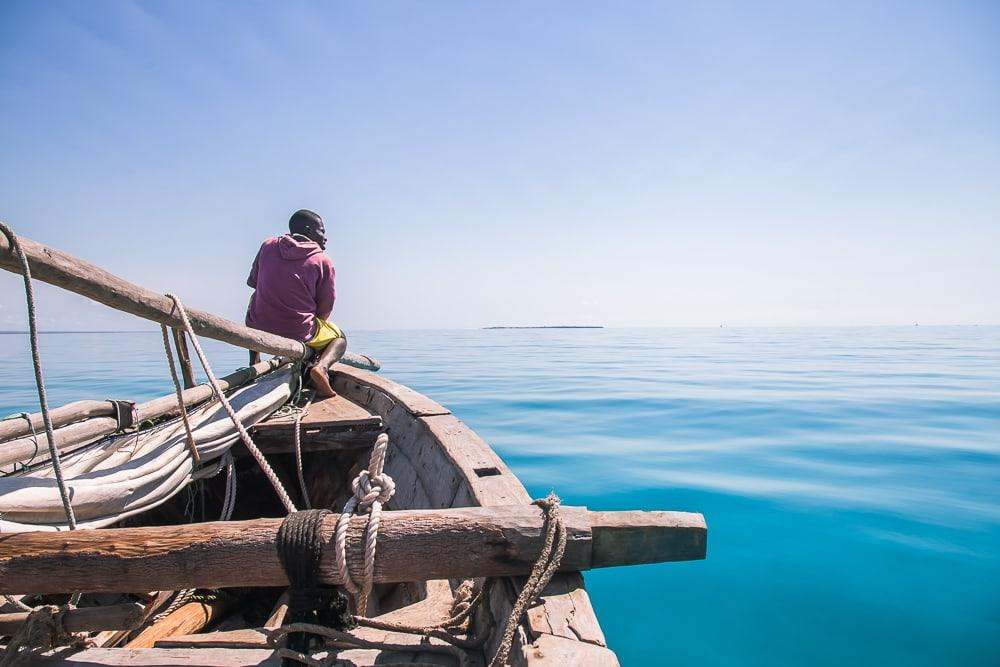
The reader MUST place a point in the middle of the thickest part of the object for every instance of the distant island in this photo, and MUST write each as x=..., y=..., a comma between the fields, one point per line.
x=557, y=326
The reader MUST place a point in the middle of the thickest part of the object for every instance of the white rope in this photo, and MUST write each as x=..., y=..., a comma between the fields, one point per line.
x=17, y=603
x=36, y=360
x=229, y=502
x=247, y=440
x=192, y=447
x=371, y=488
x=298, y=453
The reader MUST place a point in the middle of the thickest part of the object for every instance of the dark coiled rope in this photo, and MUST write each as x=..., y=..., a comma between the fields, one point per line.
x=300, y=549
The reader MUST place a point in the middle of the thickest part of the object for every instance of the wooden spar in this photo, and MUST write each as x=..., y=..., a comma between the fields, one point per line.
x=184, y=357
x=413, y=545
x=64, y=270
x=86, y=619
x=186, y=619
x=97, y=426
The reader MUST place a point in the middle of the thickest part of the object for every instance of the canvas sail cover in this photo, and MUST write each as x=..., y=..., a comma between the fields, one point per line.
x=117, y=476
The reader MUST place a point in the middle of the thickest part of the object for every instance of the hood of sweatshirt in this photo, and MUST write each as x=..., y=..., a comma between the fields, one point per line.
x=292, y=247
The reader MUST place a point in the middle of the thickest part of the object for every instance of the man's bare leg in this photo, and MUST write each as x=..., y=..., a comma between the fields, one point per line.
x=320, y=373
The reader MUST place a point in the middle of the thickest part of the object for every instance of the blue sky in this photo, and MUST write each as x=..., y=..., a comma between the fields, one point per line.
x=626, y=164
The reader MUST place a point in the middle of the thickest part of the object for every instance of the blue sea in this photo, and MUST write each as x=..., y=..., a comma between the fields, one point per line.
x=850, y=477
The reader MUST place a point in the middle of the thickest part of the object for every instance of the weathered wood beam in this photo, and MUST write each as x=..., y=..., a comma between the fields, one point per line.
x=79, y=432
x=413, y=545
x=76, y=275
x=85, y=619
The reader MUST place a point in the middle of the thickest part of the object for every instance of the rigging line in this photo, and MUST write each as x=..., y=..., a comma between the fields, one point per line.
x=36, y=361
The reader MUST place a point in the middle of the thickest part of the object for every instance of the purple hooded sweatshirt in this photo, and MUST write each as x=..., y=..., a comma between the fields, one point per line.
x=294, y=282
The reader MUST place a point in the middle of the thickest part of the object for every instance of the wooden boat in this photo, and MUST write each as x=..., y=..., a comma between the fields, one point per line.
x=460, y=534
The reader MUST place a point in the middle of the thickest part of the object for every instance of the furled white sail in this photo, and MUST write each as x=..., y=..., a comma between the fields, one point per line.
x=121, y=475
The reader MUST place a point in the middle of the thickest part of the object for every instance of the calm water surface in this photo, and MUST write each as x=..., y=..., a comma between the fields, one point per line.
x=850, y=477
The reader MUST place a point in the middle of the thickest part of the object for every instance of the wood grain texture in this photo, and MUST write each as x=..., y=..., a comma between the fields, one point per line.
x=86, y=619
x=76, y=275
x=160, y=657
x=369, y=389
x=187, y=618
x=335, y=413
x=552, y=651
x=413, y=545
x=431, y=455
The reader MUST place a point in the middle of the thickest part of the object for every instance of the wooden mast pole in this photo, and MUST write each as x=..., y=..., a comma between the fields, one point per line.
x=413, y=545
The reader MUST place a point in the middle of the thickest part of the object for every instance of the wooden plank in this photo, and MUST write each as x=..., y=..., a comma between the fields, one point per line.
x=187, y=618
x=330, y=414
x=396, y=645
x=433, y=609
x=273, y=442
x=552, y=651
x=565, y=611
x=489, y=479
x=159, y=657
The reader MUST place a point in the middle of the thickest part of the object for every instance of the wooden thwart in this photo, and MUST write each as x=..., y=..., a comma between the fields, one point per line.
x=331, y=423
x=413, y=545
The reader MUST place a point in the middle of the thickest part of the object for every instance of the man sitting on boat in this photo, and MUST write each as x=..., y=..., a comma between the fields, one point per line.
x=294, y=292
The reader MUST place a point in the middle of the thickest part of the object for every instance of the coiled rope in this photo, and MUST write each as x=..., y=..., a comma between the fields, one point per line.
x=43, y=630
x=371, y=488
x=244, y=435
x=36, y=361
x=465, y=605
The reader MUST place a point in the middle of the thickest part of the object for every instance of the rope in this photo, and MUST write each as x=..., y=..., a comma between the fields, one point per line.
x=300, y=549
x=298, y=453
x=192, y=447
x=247, y=440
x=465, y=604
x=15, y=247
x=274, y=636
x=546, y=565
x=42, y=631
x=458, y=623
x=229, y=501
x=371, y=488
x=12, y=600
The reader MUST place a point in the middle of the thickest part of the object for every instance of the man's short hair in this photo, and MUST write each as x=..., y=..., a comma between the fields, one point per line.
x=303, y=220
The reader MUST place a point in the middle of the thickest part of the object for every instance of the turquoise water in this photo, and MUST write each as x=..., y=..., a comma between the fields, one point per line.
x=850, y=477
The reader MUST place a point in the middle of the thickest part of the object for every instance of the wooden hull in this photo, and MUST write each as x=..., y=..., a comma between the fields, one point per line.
x=437, y=462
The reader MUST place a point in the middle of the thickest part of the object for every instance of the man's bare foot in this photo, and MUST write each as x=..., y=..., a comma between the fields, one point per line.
x=321, y=382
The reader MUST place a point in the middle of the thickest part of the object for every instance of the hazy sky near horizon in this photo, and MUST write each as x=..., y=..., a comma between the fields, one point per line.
x=624, y=164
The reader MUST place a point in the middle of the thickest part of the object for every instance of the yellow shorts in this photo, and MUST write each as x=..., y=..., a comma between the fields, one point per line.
x=326, y=333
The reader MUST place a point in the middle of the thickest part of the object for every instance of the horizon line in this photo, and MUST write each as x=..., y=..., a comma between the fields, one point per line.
x=537, y=327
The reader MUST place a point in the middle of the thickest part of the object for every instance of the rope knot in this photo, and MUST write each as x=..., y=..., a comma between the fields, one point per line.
x=372, y=488
x=369, y=488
